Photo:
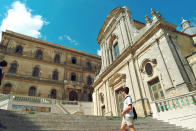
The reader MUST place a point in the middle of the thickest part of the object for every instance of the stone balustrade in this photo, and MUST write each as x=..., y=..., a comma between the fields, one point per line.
x=4, y=97
x=32, y=99
x=69, y=102
x=177, y=102
x=79, y=83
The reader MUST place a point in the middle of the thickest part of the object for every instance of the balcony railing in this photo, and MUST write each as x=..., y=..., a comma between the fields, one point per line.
x=69, y=102
x=176, y=102
x=79, y=83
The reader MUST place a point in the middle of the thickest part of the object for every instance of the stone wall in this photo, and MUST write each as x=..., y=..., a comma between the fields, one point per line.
x=22, y=79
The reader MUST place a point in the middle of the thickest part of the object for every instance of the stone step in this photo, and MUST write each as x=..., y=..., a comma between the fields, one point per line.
x=10, y=121
x=92, y=129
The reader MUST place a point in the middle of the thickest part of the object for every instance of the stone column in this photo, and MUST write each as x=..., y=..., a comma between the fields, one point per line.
x=105, y=98
x=81, y=77
x=110, y=55
x=102, y=59
x=110, y=98
x=94, y=103
x=106, y=56
x=113, y=53
x=98, y=104
x=134, y=80
x=115, y=104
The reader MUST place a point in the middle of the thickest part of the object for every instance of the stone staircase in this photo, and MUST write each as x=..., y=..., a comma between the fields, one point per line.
x=15, y=121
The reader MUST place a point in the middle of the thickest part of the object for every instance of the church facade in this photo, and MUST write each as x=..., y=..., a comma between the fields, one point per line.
x=153, y=59
x=43, y=69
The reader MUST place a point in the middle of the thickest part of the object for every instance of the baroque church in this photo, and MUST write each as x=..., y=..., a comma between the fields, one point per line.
x=153, y=59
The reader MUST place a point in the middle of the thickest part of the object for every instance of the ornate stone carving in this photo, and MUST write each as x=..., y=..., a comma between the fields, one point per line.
x=156, y=15
x=147, y=66
x=147, y=19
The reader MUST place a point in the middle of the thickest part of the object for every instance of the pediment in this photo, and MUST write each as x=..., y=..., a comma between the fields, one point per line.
x=116, y=78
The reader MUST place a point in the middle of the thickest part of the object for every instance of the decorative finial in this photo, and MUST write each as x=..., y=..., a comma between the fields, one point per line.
x=182, y=18
x=147, y=19
x=153, y=11
x=159, y=15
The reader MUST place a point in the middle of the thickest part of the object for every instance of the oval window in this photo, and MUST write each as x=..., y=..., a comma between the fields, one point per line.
x=148, y=69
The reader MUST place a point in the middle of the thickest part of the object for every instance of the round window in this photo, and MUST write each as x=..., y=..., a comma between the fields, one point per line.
x=148, y=69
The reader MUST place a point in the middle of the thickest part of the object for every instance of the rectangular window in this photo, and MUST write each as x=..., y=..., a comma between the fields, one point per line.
x=116, y=48
x=156, y=89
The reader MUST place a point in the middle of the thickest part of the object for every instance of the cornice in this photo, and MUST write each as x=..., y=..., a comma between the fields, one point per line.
x=131, y=49
x=46, y=43
x=113, y=15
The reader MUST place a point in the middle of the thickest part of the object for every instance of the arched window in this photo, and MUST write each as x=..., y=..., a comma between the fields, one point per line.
x=7, y=88
x=32, y=91
x=89, y=80
x=36, y=71
x=19, y=50
x=90, y=97
x=39, y=54
x=13, y=68
x=73, y=76
x=88, y=65
x=53, y=94
x=74, y=60
x=55, y=75
x=116, y=48
x=57, y=58
x=73, y=96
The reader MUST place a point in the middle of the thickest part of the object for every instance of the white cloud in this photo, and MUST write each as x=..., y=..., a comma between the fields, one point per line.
x=19, y=19
x=67, y=37
x=60, y=37
x=99, y=52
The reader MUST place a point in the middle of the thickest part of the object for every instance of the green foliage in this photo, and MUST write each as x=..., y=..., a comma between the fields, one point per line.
x=31, y=112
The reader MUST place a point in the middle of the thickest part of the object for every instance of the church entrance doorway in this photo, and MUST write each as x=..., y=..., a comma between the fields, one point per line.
x=119, y=101
x=103, y=110
x=73, y=96
x=53, y=94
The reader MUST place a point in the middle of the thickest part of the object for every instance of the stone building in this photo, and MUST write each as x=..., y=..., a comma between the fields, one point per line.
x=44, y=69
x=156, y=61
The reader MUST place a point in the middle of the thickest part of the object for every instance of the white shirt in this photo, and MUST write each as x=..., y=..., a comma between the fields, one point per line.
x=127, y=102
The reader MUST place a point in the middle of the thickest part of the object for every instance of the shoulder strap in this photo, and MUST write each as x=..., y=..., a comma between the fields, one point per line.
x=126, y=97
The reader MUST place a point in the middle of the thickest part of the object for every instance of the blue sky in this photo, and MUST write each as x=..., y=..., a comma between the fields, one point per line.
x=76, y=23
